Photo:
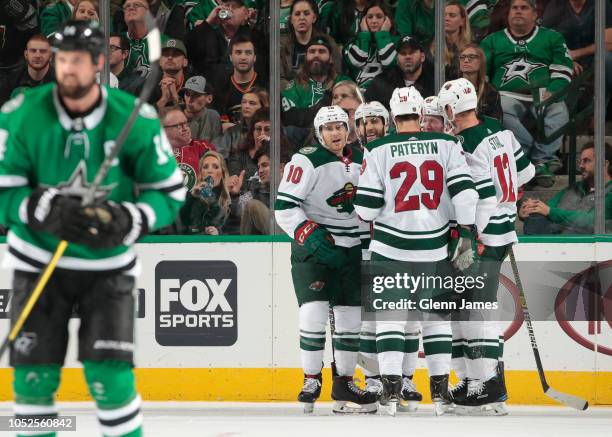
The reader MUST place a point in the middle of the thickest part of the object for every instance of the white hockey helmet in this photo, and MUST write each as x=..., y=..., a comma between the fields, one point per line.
x=330, y=114
x=460, y=95
x=372, y=109
x=406, y=101
x=430, y=107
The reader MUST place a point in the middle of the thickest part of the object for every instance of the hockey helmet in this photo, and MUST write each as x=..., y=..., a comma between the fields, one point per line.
x=372, y=109
x=460, y=95
x=406, y=101
x=330, y=114
x=430, y=107
x=80, y=35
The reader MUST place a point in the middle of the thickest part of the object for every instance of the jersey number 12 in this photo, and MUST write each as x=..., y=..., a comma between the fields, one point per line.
x=502, y=165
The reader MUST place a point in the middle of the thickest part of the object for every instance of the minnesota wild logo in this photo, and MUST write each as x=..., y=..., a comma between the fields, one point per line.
x=342, y=199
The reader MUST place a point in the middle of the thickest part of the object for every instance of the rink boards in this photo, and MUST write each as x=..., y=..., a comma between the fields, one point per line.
x=217, y=320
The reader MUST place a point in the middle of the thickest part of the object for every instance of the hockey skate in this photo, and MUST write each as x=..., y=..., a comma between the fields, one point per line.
x=483, y=399
x=410, y=398
x=374, y=385
x=350, y=398
x=310, y=392
x=440, y=395
x=392, y=392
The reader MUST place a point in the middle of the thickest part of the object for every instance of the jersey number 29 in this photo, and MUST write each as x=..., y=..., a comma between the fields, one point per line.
x=430, y=173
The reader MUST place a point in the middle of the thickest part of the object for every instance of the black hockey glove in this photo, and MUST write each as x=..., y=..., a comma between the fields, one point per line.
x=48, y=211
x=108, y=224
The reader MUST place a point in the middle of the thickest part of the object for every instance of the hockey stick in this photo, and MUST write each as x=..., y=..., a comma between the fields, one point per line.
x=564, y=398
x=154, y=46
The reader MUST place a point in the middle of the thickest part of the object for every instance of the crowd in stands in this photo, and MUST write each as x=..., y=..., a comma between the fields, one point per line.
x=212, y=93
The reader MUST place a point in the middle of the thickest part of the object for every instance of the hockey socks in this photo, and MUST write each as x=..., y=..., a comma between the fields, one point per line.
x=35, y=387
x=346, y=338
x=437, y=344
x=111, y=384
x=313, y=320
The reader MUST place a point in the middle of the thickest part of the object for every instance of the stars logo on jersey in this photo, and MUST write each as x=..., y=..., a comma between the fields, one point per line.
x=519, y=68
x=189, y=175
x=342, y=199
x=77, y=185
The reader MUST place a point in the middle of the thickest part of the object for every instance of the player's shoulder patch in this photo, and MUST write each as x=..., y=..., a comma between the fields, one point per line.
x=12, y=104
x=308, y=150
x=147, y=111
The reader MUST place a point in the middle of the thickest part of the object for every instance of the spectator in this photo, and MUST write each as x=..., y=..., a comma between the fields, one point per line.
x=575, y=20
x=86, y=10
x=285, y=13
x=35, y=72
x=458, y=35
x=473, y=67
x=412, y=69
x=118, y=49
x=374, y=47
x=572, y=210
x=16, y=27
x=432, y=119
x=169, y=16
x=520, y=59
x=255, y=214
x=479, y=14
x=243, y=77
x=416, y=18
x=134, y=12
x=208, y=43
x=54, y=15
x=302, y=19
x=204, y=122
x=317, y=75
x=172, y=63
x=207, y=205
x=345, y=19
x=227, y=144
x=186, y=150
x=205, y=8
x=344, y=94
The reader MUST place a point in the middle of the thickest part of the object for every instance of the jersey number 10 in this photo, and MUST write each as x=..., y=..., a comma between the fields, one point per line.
x=431, y=175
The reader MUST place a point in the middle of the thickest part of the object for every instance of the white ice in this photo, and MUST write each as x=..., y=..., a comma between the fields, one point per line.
x=237, y=419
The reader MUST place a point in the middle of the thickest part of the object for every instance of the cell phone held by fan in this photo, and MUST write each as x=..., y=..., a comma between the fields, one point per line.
x=206, y=193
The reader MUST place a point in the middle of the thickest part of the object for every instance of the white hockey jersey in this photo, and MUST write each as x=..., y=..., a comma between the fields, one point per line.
x=319, y=186
x=499, y=168
x=410, y=186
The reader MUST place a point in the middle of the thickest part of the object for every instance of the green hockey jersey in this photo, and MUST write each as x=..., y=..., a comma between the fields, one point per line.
x=320, y=186
x=539, y=60
x=368, y=54
x=499, y=167
x=411, y=186
x=305, y=96
x=40, y=145
x=53, y=16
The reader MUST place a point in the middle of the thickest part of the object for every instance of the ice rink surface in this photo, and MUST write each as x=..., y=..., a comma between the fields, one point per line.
x=237, y=419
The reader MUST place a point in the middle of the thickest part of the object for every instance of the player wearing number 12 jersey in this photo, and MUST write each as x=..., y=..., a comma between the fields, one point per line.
x=410, y=185
x=499, y=168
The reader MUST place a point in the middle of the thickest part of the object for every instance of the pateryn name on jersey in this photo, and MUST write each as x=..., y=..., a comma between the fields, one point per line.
x=414, y=148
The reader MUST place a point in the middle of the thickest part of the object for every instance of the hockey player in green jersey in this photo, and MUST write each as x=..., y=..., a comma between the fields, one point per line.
x=411, y=223
x=498, y=167
x=53, y=140
x=314, y=206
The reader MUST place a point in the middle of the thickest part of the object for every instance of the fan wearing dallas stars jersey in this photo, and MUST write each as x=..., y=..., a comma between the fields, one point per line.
x=314, y=206
x=521, y=59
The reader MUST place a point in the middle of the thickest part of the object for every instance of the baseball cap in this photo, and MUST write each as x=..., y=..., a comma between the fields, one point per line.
x=175, y=44
x=197, y=84
x=409, y=42
x=319, y=41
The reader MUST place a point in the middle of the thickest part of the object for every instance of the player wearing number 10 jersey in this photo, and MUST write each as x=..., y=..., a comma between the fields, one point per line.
x=499, y=168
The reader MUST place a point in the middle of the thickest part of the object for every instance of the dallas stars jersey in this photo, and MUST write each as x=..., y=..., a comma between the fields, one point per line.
x=305, y=96
x=319, y=186
x=40, y=145
x=368, y=54
x=410, y=186
x=138, y=57
x=498, y=168
x=538, y=60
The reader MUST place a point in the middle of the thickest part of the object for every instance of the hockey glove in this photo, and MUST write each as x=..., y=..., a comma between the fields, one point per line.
x=108, y=224
x=49, y=211
x=320, y=243
x=464, y=247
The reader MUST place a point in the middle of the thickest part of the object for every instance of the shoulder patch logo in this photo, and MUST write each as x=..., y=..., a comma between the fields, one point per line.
x=460, y=138
x=147, y=111
x=307, y=150
x=12, y=104
x=342, y=199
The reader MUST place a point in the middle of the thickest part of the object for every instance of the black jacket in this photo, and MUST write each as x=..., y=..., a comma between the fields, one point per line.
x=383, y=85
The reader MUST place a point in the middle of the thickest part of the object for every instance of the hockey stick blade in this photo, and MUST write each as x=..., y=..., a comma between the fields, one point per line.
x=566, y=399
